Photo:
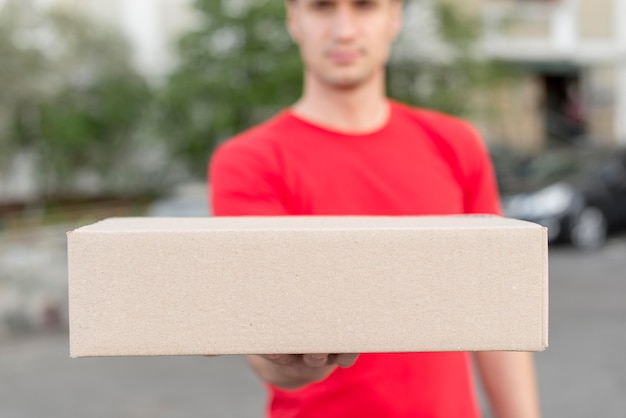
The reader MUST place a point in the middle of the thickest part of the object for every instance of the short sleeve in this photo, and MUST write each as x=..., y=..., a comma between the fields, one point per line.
x=463, y=149
x=481, y=194
x=245, y=180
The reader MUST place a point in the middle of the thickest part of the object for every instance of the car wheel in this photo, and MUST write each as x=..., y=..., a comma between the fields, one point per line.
x=589, y=230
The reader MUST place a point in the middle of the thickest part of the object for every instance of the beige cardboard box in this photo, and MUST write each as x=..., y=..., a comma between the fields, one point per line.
x=186, y=286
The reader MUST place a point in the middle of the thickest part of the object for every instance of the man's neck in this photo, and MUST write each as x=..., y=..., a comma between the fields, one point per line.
x=360, y=110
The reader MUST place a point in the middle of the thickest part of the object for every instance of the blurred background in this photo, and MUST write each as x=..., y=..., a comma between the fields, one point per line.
x=114, y=108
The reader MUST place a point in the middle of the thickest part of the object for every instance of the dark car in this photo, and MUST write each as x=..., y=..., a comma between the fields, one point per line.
x=578, y=193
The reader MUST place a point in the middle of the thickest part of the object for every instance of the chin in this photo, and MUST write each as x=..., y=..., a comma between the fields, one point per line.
x=347, y=82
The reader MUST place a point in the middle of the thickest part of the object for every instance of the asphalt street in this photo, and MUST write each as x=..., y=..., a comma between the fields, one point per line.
x=582, y=374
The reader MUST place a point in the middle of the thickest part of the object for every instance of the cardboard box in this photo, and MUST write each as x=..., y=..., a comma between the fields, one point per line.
x=187, y=286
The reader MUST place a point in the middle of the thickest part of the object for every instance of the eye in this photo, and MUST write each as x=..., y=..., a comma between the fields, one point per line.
x=365, y=4
x=322, y=5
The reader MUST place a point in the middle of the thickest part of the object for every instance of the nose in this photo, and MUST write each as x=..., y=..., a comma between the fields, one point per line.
x=344, y=24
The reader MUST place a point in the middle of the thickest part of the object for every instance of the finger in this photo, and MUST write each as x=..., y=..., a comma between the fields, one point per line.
x=315, y=360
x=280, y=359
x=346, y=360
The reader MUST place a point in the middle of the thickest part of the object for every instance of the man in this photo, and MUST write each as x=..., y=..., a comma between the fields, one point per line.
x=345, y=149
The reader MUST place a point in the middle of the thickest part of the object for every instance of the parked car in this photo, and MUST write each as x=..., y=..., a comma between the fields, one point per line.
x=509, y=164
x=578, y=193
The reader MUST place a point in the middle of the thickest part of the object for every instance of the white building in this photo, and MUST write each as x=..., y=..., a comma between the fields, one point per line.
x=575, y=44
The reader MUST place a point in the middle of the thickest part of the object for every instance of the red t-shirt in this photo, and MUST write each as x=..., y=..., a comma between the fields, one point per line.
x=419, y=163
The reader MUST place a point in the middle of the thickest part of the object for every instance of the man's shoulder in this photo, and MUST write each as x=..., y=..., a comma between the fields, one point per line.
x=454, y=132
x=441, y=122
x=456, y=139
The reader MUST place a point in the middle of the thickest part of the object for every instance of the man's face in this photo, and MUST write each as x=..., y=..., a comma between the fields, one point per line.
x=344, y=43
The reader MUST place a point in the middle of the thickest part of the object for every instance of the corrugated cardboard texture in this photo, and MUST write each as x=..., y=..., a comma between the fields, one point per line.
x=186, y=286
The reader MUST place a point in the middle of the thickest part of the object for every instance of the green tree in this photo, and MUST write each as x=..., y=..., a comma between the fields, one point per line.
x=239, y=66
x=437, y=63
x=22, y=68
x=235, y=69
x=69, y=97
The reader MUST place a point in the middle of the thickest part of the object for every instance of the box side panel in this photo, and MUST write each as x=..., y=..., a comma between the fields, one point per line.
x=319, y=291
x=546, y=291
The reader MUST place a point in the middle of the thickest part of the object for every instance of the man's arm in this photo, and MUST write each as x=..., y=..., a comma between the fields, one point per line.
x=246, y=181
x=510, y=383
x=508, y=377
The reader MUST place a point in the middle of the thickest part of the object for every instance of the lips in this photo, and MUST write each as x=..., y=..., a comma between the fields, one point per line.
x=343, y=57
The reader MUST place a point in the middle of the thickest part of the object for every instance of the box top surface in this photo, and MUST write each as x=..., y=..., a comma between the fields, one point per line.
x=246, y=223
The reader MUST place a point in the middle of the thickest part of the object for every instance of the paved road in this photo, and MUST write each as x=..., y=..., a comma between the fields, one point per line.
x=37, y=379
x=582, y=374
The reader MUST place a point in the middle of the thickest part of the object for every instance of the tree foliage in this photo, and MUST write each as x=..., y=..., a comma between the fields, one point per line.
x=69, y=97
x=438, y=63
x=238, y=66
